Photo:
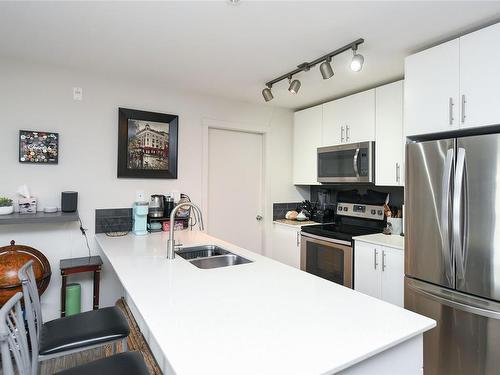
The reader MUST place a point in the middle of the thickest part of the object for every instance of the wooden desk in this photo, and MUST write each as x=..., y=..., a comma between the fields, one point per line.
x=78, y=265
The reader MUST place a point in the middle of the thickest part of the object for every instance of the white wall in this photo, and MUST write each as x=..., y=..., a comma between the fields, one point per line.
x=36, y=97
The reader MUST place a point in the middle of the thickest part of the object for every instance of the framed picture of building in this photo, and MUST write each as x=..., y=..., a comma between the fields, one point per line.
x=147, y=144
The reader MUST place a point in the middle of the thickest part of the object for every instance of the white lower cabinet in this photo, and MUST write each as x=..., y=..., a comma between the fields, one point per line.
x=286, y=245
x=379, y=271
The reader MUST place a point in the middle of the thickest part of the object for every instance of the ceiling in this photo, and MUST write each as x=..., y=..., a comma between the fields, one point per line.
x=215, y=48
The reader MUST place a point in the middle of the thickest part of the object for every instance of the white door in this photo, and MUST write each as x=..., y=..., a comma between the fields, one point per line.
x=333, y=125
x=286, y=245
x=360, y=117
x=367, y=278
x=235, y=165
x=480, y=77
x=389, y=144
x=431, y=94
x=306, y=139
x=393, y=275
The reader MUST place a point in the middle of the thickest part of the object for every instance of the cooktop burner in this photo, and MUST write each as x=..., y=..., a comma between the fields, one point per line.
x=339, y=231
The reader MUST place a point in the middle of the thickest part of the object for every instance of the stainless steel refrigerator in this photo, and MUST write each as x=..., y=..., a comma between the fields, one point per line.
x=452, y=251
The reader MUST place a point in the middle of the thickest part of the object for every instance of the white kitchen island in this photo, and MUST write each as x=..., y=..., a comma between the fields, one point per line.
x=257, y=318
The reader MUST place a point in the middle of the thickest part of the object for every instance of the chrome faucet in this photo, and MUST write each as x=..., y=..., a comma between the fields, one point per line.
x=171, y=242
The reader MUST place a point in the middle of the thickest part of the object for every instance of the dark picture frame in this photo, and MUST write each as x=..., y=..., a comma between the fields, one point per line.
x=38, y=147
x=157, y=159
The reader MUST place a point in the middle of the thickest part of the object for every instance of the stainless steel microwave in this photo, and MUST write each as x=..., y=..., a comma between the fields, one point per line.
x=354, y=162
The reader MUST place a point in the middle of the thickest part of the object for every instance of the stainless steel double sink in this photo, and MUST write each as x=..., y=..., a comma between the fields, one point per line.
x=211, y=256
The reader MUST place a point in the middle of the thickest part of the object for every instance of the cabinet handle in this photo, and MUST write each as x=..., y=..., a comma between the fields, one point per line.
x=398, y=176
x=450, y=108
x=383, y=261
x=347, y=133
x=375, y=254
x=298, y=239
x=463, y=108
x=342, y=134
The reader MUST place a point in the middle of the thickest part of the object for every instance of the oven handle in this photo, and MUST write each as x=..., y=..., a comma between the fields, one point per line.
x=355, y=162
x=326, y=239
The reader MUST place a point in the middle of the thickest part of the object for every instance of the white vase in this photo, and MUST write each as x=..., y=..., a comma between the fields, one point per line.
x=6, y=210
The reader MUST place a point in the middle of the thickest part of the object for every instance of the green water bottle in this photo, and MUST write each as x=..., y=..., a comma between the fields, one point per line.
x=73, y=299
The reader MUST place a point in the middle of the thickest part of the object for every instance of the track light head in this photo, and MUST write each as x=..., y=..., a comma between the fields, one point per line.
x=326, y=69
x=294, y=85
x=357, y=60
x=267, y=94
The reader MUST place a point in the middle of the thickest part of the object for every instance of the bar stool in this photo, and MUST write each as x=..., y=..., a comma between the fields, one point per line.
x=16, y=358
x=71, y=334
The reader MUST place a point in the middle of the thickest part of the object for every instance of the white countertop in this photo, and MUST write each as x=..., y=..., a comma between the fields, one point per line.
x=258, y=318
x=392, y=240
x=294, y=223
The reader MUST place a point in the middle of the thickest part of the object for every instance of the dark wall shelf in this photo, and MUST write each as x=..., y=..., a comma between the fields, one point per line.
x=39, y=218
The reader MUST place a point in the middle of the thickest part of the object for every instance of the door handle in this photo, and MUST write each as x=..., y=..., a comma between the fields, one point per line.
x=398, y=177
x=383, y=261
x=355, y=162
x=347, y=133
x=342, y=134
x=463, y=108
x=459, y=234
x=375, y=254
x=450, y=109
x=298, y=239
x=258, y=218
x=445, y=215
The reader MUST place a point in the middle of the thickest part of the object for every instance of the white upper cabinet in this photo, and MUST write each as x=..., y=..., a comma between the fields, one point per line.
x=350, y=119
x=359, y=116
x=454, y=85
x=307, y=138
x=431, y=94
x=333, y=128
x=389, y=140
x=480, y=77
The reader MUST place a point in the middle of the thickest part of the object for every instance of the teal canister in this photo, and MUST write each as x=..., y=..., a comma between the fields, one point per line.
x=73, y=299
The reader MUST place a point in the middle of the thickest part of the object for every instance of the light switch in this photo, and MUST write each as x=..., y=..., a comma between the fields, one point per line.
x=77, y=93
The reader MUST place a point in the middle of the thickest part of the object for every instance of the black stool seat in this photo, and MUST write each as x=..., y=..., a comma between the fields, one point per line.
x=129, y=363
x=83, y=330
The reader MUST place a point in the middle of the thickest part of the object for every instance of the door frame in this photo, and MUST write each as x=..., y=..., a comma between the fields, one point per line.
x=266, y=207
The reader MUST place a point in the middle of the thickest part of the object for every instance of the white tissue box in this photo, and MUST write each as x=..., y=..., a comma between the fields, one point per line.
x=27, y=205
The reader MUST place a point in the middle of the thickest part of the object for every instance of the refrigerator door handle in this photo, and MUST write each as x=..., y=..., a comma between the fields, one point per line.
x=355, y=162
x=460, y=302
x=445, y=217
x=458, y=212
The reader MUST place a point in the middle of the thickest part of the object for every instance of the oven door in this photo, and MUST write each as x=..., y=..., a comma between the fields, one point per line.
x=327, y=259
x=346, y=163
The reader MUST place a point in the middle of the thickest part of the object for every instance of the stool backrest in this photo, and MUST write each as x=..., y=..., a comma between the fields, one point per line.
x=32, y=308
x=13, y=340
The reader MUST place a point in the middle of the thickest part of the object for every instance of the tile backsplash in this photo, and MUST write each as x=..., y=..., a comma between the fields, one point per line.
x=113, y=220
x=280, y=209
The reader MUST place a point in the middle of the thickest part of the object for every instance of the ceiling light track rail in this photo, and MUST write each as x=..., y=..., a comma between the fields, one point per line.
x=304, y=67
x=325, y=68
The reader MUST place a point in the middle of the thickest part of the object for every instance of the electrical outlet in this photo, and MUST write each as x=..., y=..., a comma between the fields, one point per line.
x=77, y=93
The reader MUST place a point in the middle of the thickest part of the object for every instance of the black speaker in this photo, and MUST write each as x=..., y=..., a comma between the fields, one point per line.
x=69, y=201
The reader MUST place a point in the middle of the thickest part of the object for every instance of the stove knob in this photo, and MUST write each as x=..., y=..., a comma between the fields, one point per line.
x=339, y=208
x=345, y=208
x=379, y=212
x=373, y=212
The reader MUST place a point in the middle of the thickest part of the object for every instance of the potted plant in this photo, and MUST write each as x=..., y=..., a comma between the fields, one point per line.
x=6, y=206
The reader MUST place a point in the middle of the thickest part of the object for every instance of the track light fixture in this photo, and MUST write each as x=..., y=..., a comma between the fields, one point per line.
x=325, y=68
x=294, y=85
x=267, y=94
x=357, y=59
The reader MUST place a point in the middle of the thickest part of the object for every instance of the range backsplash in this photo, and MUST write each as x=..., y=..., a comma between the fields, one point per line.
x=396, y=194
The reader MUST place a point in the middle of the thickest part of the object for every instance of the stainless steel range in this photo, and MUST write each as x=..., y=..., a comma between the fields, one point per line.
x=327, y=249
